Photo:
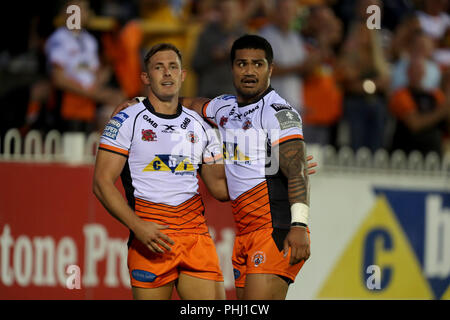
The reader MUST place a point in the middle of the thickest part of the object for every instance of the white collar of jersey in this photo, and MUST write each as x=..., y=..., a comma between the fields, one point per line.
x=150, y=108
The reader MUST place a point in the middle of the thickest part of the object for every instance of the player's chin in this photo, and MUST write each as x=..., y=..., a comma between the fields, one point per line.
x=167, y=95
x=248, y=92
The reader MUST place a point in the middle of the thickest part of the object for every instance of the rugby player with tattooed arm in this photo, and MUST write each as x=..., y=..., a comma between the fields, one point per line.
x=270, y=206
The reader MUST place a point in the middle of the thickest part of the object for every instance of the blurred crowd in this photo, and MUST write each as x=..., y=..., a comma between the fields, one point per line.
x=386, y=86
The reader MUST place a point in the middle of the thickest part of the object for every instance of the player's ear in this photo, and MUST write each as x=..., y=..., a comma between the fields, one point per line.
x=183, y=75
x=145, y=78
x=270, y=69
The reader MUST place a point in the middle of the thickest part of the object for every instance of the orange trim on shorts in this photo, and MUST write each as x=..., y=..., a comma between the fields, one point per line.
x=291, y=137
x=113, y=149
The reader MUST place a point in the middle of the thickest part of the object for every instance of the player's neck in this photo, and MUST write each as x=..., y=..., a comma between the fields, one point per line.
x=242, y=100
x=164, y=107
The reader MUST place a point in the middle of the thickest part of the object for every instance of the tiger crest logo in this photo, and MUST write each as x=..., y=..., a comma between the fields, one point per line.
x=148, y=135
x=258, y=258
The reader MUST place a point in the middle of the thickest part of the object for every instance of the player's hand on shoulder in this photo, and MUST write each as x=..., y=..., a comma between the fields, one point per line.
x=125, y=105
x=298, y=240
x=149, y=233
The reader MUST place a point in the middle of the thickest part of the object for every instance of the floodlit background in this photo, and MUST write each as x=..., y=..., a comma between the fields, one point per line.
x=370, y=79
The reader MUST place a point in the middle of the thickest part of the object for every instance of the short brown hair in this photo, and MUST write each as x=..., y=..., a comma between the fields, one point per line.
x=161, y=47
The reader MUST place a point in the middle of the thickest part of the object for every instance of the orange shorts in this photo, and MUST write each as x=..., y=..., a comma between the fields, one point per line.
x=192, y=254
x=261, y=251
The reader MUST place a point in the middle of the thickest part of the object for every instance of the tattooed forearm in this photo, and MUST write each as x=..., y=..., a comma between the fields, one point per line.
x=293, y=166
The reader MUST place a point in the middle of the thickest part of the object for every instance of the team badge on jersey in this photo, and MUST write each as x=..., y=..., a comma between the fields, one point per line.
x=288, y=119
x=148, y=135
x=223, y=121
x=192, y=137
x=258, y=258
x=247, y=124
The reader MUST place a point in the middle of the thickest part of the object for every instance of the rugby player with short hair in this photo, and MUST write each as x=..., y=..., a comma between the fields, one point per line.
x=270, y=198
x=157, y=146
x=270, y=207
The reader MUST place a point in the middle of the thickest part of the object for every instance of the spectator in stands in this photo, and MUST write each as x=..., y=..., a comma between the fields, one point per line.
x=395, y=11
x=41, y=109
x=364, y=74
x=435, y=22
x=204, y=11
x=442, y=53
x=422, y=114
x=164, y=21
x=122, y=10
x=402, y=36
x=122, y=50
x=211, y=59
x=257, y=13
x=75, y=70
x=419, y=45
x=22, y=64
x=322, y=96
x=292, y=61
x=433, y=18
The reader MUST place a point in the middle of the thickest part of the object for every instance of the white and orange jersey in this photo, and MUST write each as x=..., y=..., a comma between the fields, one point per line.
x=164, y=153
x=77, y=54
x=257, y=188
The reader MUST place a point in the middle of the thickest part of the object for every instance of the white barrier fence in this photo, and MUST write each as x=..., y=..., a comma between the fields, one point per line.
x=69, y=147
x=79, y=148
x=364, y=161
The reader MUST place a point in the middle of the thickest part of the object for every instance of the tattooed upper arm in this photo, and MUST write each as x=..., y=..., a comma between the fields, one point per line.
x=292, y=161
